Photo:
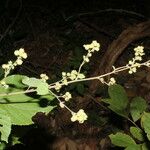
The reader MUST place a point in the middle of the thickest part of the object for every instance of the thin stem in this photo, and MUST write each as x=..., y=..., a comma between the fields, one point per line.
x=57, y=97
x=52, y=86
x=81, y=67
x=133, y=123
x=120, y=69
x=17, y=93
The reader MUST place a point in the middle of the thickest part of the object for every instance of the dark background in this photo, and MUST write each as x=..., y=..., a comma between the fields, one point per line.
x=52, y=33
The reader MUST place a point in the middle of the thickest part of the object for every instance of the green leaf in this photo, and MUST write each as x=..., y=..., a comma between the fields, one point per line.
x=15, y=80
x=7, y=96
x=48, y=97
x=31, y=82
x=119, y=100
x=145, y=123
x=5, y=127
x=122, y=140
x=21, y=113
x=42, y=88
x=2, y=145
x=137, y=133
x=137, y=107
x=105, y=100
x=133, y=147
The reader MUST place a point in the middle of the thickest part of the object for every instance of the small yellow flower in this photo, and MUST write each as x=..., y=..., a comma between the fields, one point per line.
x=24, y=55
x=94, y=46
x=21, y=50
x=132, y=70
x=65, y=82
x=19, y=61
x=79, y=116
x=5, y=66
x=67, y=96
x=16, y=52
x=64, y=74
x=61, y=104
x=74, y=117
x=57, y=86
x=72, y=76
x=86, y=59
x=89, y=54
x=112, y=81
x=74, y=72
x=139, y=58
x=20, y=53
x=68, y=74
x=86, y=46
x=44, y=77
x=81, y=76
x=133, y=64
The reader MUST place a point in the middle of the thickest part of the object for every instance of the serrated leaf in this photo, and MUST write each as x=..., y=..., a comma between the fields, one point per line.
x=42, y=88
x=31, y=82
x=137, y=107
x=145, y=123
x=5, y=127
x=21, y=113
x=133, y=147
x=15, y=80
x=121, y=140
x=137, y=133
x=119, y=100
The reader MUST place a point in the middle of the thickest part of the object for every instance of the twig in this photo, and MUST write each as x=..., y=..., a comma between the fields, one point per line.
x=108, y=10
x=17, y=93
x=119, y=69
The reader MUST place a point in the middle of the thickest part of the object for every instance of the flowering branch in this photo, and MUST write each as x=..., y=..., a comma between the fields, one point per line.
x=75, y=76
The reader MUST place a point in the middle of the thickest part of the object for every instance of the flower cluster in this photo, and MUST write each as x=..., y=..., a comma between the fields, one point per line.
x=133, y=64
x=112, y=81
x=20, y=56
x=11, y=65
x=61, y=104
x=57, y=86
x=94, y=46
x=147, y=63
x=66, y=76
x=139, y=52
x=8, y=66
x=73, y=75
x=44, y=77
x=67, y=96
x=79, y=116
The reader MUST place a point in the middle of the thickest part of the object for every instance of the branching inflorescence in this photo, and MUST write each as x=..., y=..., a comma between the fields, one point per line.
x=76, y=76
